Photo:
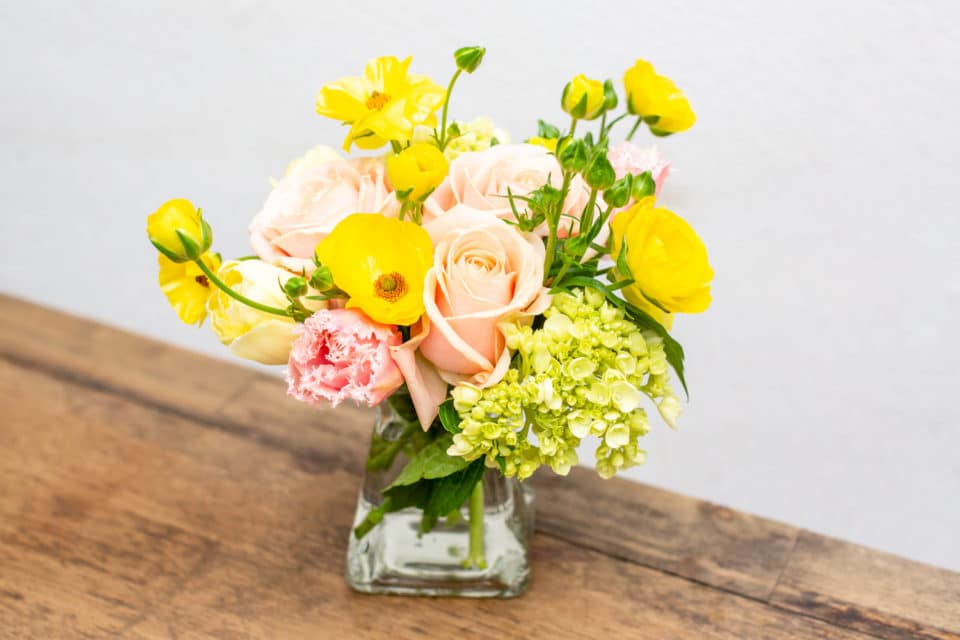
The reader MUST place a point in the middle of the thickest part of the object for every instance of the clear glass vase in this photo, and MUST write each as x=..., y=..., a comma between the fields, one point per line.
x=394, y=557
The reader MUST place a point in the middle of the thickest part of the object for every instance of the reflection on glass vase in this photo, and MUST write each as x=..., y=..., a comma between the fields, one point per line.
x=483, y=558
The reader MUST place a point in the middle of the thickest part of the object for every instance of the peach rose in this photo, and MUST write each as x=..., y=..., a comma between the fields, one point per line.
x=481, y=180
x=485, y=271
x=310, y=200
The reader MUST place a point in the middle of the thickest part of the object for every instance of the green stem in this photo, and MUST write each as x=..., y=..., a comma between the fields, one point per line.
x=636, y=126
x=212, y=277
x=442, y=143
x=614, y=122
x=603, y=125
x=476, y=557
x=384, y=459
x=553, y=223
x=573, y=127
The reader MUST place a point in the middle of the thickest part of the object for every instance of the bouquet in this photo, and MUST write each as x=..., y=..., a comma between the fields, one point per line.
x=508, y=301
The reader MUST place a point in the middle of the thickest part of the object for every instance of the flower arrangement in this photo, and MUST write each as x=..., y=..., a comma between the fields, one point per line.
x=511, y=300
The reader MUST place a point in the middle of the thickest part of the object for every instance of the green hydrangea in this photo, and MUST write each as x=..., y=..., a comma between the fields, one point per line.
x=585, y=372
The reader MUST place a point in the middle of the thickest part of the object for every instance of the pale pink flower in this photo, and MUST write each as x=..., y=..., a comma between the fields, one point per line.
x=627, y=157
x=310, y=200
x=341, y=354
x=481, y=180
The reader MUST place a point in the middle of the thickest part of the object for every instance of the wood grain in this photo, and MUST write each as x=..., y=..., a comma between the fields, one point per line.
x=216, y=536
x=879, y=593
x=146, y=492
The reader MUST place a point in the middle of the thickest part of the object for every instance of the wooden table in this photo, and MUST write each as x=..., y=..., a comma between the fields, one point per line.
x=148, y=492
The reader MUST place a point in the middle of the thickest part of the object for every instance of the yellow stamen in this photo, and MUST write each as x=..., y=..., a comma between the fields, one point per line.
x=376, y=100
x=390, y=286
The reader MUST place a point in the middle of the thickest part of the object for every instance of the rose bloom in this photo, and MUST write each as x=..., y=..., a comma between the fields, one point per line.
x=311, y=199
x=341, y=354
x=482, y=179
x=485, y=272
x=627, y=157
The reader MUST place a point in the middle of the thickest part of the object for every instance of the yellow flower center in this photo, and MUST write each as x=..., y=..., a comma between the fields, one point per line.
x=203, y=281
x=390, y=286
x=376, y=101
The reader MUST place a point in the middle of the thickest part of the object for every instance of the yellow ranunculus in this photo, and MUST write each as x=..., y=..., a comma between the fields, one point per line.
x=667, y=260
x=178, y=231
x=384, y=104
x=186, y=287
x=417, y=170
x=657, y=100
x=546, y=143
x=248, y=332
x=380, y=263
x=583, y=98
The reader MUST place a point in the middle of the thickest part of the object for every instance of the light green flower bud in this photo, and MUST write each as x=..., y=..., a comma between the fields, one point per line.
x=593, y=297
x=599, y=394
x=580, y=368
x=541, y=360
x=469, y=58
x=465, y=396
x=625, y=363
x=579, y=423
x=669, y=409
x=625, y=396
x=617, y=435
x=557, y=325
x=637, y=344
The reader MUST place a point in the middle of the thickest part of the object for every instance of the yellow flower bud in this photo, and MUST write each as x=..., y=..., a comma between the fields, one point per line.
x=583, y=98
x=178, y=231
x=657, y=100
x=417, y=170
x=667, y=260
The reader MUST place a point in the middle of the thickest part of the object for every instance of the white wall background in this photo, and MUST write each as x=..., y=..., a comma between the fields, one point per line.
x=822, y=173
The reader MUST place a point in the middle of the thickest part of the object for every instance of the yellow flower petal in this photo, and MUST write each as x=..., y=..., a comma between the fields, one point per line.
x=186, y=287
x=657, y=99
x=667, y=260
x=383, y=104
x=381, y=264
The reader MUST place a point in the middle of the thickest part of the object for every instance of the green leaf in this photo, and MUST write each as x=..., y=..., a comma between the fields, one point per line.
x=449, y=417
x=622, y=267
x=547, y=130
x=415, y=495
x=452, y=491
x=432, y=462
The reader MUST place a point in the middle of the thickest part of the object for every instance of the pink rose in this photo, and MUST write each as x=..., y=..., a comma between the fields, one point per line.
x=627, y=157
x=481, y=180
x=341, y=354
x=306, y=204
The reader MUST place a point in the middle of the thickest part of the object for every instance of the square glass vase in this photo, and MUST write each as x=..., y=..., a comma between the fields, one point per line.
x=394, y=557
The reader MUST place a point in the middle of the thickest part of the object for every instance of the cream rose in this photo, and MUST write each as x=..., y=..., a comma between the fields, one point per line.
x=248, y=332
x=311, y=199
x=485, y=271
x=482, y=179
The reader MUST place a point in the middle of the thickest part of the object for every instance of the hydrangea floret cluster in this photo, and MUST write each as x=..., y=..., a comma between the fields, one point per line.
x=586, y=372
